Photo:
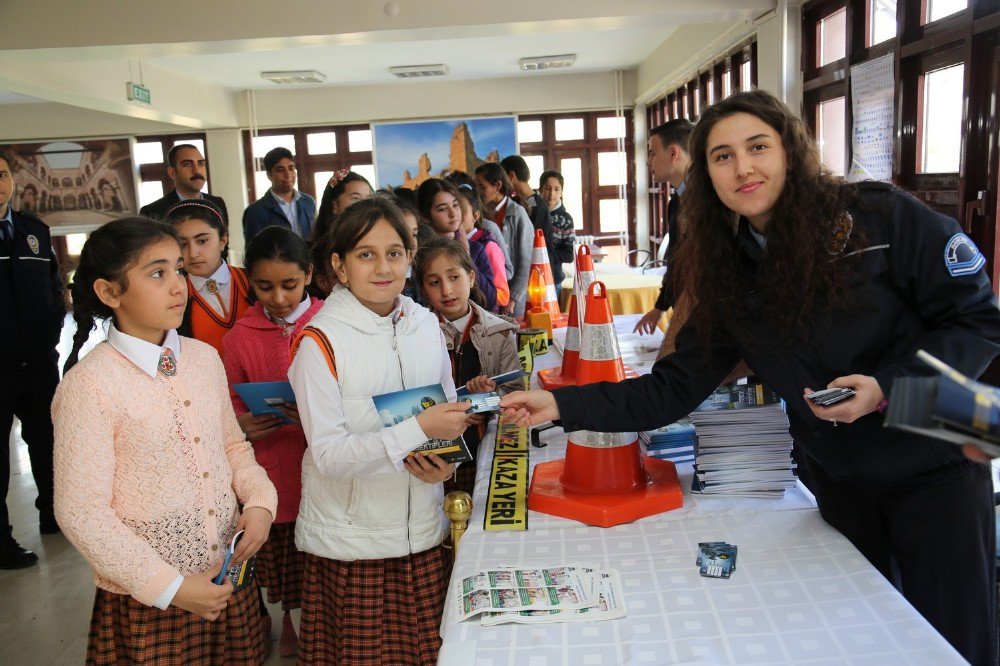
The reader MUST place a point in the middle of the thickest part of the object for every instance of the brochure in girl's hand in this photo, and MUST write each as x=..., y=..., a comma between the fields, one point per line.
x=266, y=397
x=398, y=406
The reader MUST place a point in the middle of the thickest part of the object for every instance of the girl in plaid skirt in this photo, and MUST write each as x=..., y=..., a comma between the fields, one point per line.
x=257, y=349
x=151, y=466
x=370, y=521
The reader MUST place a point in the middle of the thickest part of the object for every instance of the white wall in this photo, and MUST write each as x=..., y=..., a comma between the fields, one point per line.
x=436, y=99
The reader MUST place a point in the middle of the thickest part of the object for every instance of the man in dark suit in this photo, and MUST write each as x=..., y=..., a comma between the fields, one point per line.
x=187, y=168
x=668, y=161
x=282, y=205
x=32, y=310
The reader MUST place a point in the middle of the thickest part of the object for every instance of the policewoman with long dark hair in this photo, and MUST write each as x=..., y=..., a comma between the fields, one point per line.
x=818, y=283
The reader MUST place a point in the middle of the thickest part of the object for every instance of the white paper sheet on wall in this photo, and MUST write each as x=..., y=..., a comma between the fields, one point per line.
x=872, y=91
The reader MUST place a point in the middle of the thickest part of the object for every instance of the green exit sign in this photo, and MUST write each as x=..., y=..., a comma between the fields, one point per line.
x=137, y=93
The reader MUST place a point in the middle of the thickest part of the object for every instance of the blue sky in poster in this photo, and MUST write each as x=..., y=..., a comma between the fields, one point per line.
x=398, y=146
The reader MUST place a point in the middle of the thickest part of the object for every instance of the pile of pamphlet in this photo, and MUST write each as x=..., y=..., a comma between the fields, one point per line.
x=579, y=593
x=949, y=406
x=674, y=442
x=743, y=446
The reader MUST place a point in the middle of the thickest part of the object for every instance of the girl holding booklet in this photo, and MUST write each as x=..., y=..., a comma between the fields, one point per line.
x=480, y=344
x=257, y=349
x=370, y=521
x=218, y=294
x=817, y=283
x=151, y=466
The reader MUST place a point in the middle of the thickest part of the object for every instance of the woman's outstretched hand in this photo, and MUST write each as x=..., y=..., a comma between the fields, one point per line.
x=528, y=408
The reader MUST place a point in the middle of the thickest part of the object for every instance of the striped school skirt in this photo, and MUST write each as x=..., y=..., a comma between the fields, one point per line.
x=279, y=567
x=373, y=612
x=125, y=631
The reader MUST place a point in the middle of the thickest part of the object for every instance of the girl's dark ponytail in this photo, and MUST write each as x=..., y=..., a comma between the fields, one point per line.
x=108, y=254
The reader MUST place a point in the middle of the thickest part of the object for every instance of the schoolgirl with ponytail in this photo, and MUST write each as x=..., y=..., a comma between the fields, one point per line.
x=151, y=467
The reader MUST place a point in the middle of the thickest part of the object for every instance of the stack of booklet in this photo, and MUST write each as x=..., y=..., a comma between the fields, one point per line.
x=743, y=446
x=674, y=442
x=949, y=406
x=579, y=593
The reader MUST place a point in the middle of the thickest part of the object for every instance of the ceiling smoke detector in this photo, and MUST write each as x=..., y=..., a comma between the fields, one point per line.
x=297, y=76
x=547, y=62
x=419, y=71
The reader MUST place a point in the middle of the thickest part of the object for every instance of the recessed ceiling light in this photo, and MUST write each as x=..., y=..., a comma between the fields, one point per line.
x=418, y=71
x=547, y=62
x=296, y=76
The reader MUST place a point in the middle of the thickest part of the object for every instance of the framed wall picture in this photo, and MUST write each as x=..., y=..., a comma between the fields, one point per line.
x=74, y=186
x=407, y=154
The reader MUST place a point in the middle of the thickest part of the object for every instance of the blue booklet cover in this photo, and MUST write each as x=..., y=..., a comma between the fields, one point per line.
x=398, y=406
x=265, y=397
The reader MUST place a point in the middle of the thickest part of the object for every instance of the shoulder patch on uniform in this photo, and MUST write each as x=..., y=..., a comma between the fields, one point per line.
x=961, y=256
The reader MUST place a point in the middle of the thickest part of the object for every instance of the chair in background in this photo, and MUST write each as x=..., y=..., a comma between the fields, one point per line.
x=642, y=260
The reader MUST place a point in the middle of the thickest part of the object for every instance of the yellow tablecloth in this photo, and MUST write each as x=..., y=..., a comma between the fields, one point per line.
x=627, y=293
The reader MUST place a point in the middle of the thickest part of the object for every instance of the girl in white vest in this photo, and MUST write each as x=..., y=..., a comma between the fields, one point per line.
x=370, y=521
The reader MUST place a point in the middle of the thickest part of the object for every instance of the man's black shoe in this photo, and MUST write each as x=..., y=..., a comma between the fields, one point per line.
x=12, y=556
x=48, y=525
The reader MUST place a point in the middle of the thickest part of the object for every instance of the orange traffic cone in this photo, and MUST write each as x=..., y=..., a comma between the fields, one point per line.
x=585, y=275
x=604, y=479
x=549, y=302
x=554, y=378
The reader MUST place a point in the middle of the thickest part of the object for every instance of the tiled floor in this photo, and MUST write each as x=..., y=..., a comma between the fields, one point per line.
x=45, y=609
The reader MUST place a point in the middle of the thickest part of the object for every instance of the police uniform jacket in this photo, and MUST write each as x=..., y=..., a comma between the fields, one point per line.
x=915, y=283
x=158, y=209
x=32, y=308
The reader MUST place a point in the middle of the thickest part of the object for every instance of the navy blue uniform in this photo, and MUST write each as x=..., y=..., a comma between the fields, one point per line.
x=915, y=507
x=32, y=311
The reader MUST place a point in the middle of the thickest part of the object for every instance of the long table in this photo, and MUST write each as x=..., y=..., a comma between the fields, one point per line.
x=802, y=594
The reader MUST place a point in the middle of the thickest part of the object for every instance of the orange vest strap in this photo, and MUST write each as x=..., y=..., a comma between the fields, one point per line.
x=321, y=340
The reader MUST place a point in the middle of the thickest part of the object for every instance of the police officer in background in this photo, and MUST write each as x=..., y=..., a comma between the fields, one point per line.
x=31, y=318
x=818, y=283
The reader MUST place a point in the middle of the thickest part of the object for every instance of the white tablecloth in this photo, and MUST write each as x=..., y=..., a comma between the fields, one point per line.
x=801, y=593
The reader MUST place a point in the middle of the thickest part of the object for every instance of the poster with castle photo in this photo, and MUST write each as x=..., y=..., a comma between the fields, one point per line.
x=407, y=154
x=73, y=186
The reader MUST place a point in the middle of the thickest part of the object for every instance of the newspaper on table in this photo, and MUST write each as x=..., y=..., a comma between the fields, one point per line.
x=610, y=606
x=510, y=589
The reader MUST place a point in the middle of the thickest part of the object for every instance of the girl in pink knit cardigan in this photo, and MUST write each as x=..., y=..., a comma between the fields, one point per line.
x=151, y=466
x=257, y=350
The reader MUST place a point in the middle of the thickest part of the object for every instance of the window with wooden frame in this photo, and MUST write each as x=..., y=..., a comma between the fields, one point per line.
x=946, y=57
x=318, y=151
x=594, y=153
x=733, y=72
x=150, y=155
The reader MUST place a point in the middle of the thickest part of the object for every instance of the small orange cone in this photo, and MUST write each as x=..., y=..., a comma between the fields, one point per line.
x=554, y=378
x=585, y=275
x=604, y=479
x=540, y=261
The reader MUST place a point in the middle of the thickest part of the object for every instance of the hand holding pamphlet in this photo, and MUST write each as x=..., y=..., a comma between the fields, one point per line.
x=240, y=574
x=266, y=397
x=398, y=406
x=499, y=380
